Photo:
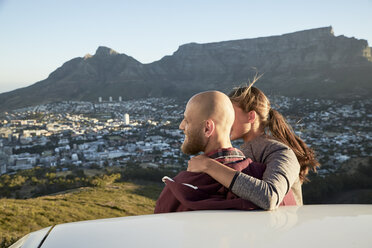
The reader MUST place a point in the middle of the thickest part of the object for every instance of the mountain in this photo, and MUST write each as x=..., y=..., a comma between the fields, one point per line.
x=310, y=63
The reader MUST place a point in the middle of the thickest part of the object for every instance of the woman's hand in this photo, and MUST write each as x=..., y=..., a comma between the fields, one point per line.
x=221, y=173
x=198, y=163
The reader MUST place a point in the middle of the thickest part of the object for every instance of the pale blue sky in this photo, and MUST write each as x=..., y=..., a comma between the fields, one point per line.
x=38, y=36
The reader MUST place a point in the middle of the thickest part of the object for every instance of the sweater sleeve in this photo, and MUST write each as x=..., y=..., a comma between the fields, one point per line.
x=282, y=169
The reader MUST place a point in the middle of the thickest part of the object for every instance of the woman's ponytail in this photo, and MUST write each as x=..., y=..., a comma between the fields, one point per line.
x=283, y=132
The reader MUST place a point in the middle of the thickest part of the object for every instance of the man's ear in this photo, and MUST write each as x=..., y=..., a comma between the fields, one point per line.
x=209, y=128
x=251, y=116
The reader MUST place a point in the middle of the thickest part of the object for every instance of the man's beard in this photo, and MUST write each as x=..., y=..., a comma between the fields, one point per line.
x=194, y=142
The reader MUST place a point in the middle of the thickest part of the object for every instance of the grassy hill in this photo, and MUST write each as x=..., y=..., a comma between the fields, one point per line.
x=21, y=216
x=94, y=194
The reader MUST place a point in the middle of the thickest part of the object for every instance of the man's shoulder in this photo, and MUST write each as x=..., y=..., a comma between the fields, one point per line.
x=241, y=164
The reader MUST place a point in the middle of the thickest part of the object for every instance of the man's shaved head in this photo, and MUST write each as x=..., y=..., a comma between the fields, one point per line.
x=207, y=107
x=213, y=105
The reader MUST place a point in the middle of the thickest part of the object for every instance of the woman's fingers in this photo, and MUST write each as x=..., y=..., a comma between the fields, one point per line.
x=197, y=163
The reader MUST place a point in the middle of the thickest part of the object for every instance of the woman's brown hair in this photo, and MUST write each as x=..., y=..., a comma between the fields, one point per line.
x=250, y=98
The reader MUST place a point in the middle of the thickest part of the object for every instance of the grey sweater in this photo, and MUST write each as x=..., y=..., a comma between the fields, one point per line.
x=282, y=173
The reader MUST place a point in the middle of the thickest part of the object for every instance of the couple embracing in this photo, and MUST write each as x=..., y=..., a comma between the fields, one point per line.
x=266, y=172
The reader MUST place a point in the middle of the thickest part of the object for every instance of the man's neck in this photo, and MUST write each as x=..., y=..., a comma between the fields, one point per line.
x=213, y=146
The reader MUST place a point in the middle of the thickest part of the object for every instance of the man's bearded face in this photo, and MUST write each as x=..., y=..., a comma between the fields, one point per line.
x=194, y=140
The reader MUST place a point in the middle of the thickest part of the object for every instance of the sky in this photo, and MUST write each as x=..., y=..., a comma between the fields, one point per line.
x=38, y=36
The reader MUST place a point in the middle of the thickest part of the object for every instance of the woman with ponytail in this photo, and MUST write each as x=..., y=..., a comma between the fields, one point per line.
x=268, y=139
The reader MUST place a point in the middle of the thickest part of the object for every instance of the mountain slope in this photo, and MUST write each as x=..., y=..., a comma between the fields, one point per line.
x=310, y=63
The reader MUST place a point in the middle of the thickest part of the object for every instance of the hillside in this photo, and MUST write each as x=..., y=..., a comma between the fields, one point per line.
x=309, y=63
x=114, y=199
x=19, y=217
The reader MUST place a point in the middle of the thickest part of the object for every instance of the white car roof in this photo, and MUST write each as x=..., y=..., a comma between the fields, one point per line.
x=306, y=226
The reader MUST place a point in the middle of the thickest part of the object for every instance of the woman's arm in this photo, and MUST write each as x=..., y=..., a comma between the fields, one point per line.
x=220, y=172
x=282, y=170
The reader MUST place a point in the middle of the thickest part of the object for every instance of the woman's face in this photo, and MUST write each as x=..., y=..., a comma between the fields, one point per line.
x=240, y=127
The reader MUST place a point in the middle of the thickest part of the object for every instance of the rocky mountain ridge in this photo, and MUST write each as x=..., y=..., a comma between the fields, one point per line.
x=310, y=63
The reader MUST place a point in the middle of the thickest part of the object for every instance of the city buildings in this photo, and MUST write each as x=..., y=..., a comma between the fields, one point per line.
x=102, y=134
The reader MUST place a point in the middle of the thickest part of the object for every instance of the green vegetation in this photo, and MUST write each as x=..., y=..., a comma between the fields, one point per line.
x=110, y=199
x=131, y=172
x=343, y=186
x=79, y=194
x=85, y=194
x=41, y=181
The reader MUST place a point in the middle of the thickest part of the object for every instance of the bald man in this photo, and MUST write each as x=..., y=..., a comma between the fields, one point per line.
x=207, y=122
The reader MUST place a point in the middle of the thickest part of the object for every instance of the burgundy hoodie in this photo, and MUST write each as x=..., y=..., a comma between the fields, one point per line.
x=198, y=191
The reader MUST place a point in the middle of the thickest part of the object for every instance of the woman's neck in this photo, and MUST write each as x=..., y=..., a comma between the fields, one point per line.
x=253, y=133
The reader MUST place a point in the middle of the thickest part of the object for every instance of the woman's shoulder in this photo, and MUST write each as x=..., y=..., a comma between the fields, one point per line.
x=268, y=142
x=265, y=146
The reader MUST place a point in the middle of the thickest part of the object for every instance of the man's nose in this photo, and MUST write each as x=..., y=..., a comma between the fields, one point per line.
x=181, y=125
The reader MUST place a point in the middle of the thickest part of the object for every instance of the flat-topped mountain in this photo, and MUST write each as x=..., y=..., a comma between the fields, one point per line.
x=310, y=63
